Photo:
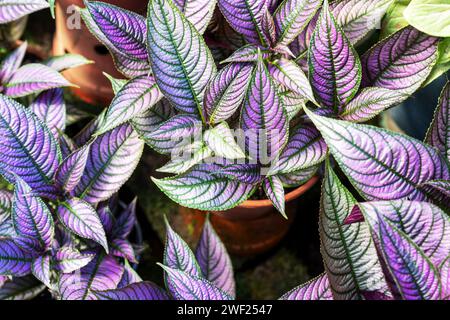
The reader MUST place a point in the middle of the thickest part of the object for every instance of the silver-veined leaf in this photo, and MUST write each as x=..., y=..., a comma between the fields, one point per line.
x=113, y=156
x=381, y=165
x=28, y=147
x=214, y=261
x=221, y=140
x=200, y=189
x=189, y=287
x=181, y=62
x=350, y=258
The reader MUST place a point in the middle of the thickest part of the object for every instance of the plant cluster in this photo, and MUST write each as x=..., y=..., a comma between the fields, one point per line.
x=64, y=220
x=297, y=81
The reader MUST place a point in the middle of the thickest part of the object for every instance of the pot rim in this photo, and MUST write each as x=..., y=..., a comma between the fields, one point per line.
x=288, y=197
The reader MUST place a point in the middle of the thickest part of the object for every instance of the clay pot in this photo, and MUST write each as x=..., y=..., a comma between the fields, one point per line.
x=95, y=88
x=252, y=228
x=11, y=32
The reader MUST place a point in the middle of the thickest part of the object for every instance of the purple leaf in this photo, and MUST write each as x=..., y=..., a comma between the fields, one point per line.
x=86, y=133
x=113, y=156
x=71, y=169
x=214, y=260
x=176, y=132
x=268, y=28
x=34, y=78
x=3, y=279
x=358, y=18
x=263, y=118
x=438, y=190
x=129, y=276
x=415, y=276
x=273, y=188
x=305, y=148
x=246, y=17
x=28, y=148
x=334, y=66
x=123, y=32
x=248, y=53
x=137, y=291
x=301, y=43
x=11, y=10
x=150, y=121
x=106, y=217
x=7, y=227
x=198, y=12
x=102, y=273
x=444, y=270
x=80, y=218
x=350, y=257
x=200, y=189
x=188, y=287
x=438, y=134
x=123, y=249
x=21, y=288
x=66, y=61
x=126, y=221
x=178, y=255
x=375, y=295
x=135, y=97
x=181, y=61
x=50, y=108
x=370, y=102
x=31, y=217
x=226, y=90
x=68, y=259
x=12, y=62
x=425, y=224
x=126, y=30
x=315, y=289
x=13, y=260
x=400, y=62
x=390, y=167
x=182, y=125
x=245, y=173
x=290, y=75
x=41, y=269
x=187, y=157
x=297, y=178
x=63, y=237
x=292, y=16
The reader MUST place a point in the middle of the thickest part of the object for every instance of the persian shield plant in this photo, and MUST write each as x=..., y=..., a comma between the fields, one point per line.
x=248, y=98
x=266, y=117
x=63, y=226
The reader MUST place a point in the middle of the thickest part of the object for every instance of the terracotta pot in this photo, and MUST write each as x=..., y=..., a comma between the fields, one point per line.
x=11, y=32
x=94, y=87
x=251, y=228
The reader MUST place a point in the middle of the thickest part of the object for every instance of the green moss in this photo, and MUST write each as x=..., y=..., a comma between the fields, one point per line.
x=272, y=278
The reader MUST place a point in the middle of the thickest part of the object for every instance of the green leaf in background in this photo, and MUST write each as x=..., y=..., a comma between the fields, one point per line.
x=51, y=3
x=429, y=16
x=442, y=63
x=394, y=20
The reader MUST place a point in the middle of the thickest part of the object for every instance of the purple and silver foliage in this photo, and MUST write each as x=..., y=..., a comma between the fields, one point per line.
x=58, y=227
x=247, y=97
